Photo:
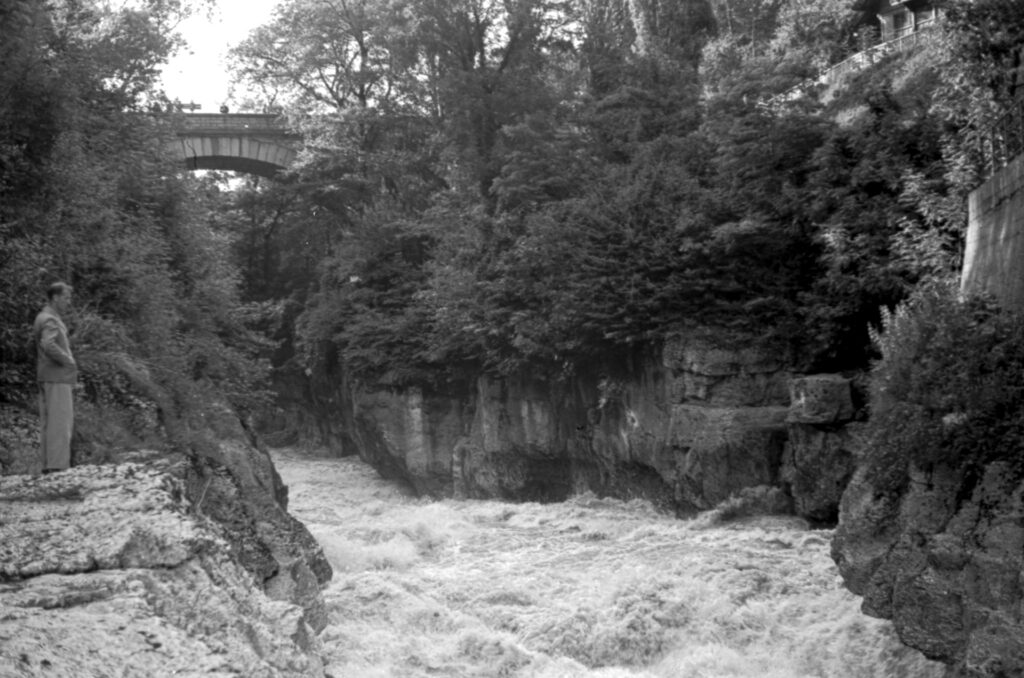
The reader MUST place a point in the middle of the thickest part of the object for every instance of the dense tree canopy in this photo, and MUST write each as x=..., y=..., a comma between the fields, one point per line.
x=489, y=184
x=533, y=182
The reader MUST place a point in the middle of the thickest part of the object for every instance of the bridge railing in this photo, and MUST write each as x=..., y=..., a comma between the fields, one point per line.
x=215, y=122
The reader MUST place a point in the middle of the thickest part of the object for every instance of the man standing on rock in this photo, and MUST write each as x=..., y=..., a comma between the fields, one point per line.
x=56, y=372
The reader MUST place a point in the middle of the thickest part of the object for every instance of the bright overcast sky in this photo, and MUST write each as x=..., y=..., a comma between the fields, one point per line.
x=199, y=72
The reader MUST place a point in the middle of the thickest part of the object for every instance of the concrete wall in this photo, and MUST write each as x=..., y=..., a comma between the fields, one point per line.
x=994, y=258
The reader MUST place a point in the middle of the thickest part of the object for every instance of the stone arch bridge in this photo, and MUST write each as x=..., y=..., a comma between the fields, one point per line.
x=243, y=142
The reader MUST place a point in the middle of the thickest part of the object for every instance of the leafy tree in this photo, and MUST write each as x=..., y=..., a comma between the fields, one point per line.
x=981, y=59
x=418, y=120
x=875, y=182
x=319, y=56
x=495, y=63
x=949, y=388
x=987, y=36
x=820, y=31
x=89, y=197
x=509, y=184
x=748, y=22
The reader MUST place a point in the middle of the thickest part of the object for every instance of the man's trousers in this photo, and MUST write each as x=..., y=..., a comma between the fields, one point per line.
x=56, y=418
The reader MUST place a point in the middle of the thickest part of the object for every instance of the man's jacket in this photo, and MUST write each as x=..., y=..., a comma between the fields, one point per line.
x=54, y=361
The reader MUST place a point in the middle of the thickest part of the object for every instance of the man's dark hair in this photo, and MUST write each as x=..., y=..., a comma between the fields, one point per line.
x=56, y=289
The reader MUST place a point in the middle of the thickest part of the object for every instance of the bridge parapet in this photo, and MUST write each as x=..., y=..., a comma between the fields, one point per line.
x=227, y=123
x=256, y=143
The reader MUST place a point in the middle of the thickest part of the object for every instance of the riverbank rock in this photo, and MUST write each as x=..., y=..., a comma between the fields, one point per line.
x=944, y=560
x=228, y=476
x=111, y=570
x=232, y=480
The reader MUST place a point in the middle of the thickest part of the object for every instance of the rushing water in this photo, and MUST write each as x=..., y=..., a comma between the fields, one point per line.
x=587, y=588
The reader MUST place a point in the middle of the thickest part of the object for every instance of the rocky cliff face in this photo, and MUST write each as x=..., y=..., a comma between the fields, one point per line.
x=944, y=560
x=112, y=570
x=230, y=480
x=688, y=426
x=823, y=440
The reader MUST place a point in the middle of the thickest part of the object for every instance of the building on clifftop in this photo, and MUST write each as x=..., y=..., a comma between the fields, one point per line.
x=897, y=18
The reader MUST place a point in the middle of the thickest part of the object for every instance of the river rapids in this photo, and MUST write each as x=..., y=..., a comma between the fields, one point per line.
x=588, y=588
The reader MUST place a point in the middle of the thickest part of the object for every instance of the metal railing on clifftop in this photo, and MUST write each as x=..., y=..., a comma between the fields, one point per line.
x=904, y=41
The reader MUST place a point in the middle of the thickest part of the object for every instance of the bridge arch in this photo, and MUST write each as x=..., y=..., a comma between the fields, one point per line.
x=241, y=142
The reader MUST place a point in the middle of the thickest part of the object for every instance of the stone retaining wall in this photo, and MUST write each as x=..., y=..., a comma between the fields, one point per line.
x=994, y=255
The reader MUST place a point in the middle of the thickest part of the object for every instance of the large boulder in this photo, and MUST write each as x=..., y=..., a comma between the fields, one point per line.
x=112, y=570
x=943, y=558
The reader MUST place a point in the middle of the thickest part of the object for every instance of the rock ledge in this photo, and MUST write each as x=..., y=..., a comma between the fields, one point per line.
x=108, y=570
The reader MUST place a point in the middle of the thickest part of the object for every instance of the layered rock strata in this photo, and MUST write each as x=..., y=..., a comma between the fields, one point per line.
x=111, y=570
x=687, y=425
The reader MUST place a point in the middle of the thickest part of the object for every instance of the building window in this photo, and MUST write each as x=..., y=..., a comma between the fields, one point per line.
x=901, y=24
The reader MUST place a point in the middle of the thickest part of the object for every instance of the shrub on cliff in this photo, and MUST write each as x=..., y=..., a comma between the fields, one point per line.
x=949, y=388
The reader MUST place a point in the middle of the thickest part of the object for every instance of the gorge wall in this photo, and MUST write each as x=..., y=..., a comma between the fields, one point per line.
x=942, y=556
x=689, y=425
x=702, y=423
x=944, y=560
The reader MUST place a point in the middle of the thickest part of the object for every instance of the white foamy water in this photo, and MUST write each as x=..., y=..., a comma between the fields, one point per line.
x=590, y=588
